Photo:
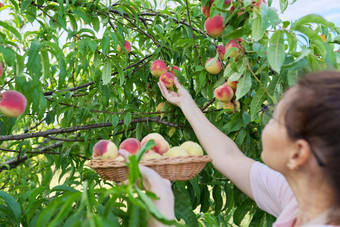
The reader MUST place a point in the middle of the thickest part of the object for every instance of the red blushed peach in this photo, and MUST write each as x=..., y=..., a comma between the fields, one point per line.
x=105, y=149
x=127, y=47
x=221, y=51
x=12, y=103
x=161, y=146
x=158, y=67
x=224, y=93
x=1, y=69
x=172, y=69
x=214, y=68
x=234, y=43
x=232, y=84
x=214, y=26
x=132, y=145
x=205, y=10
x=168, y=79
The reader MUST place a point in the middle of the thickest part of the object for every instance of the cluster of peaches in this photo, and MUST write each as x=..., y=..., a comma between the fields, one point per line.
x=12, y=103
x=215, y=26
x=165, y=73
x=107, y=150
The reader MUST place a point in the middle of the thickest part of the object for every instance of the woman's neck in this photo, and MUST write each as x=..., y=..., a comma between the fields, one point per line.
x=314, y=196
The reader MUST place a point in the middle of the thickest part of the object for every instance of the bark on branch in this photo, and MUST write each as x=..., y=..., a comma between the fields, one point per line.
x=84, y=127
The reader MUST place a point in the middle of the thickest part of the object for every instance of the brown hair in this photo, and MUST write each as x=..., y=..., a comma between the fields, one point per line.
x=314, y=114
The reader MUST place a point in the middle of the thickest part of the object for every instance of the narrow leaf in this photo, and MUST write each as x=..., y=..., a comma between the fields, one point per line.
x=256, y=102
x=276, y=51
x=106, y=76
x=243, y=86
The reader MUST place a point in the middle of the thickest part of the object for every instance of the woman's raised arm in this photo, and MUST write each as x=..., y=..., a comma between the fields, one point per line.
x=226, y=156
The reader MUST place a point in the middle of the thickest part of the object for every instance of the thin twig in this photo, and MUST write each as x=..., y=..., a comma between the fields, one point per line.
x=208, y=104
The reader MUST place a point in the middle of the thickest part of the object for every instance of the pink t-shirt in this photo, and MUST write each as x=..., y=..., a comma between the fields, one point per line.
x=272, y=194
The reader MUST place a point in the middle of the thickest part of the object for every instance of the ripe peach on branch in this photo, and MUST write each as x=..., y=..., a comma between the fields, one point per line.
x=206, y=10
x=235, y=43
x=232, y=84
x=168, y=79
x=221, y=49
x=214, y=26
x=213, y=66
x=172, y=69
x=12, y=103
x=127, y=47
x=224, y=93
x=158, y=67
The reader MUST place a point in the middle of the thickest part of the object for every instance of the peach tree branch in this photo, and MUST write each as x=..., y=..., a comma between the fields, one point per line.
x=84, y=127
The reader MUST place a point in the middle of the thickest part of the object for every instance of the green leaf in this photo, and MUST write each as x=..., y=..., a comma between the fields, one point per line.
x=309, y=19
x=256, y=102
x=12, y=204
x=9, y=55
x=107, y=70
x=20, y=65
x=25, y=4
x=115, y=120
x=304, y=52
x=283, y=5
x=62, y=69
x=11, y=29
x=82, y=14
x=96, y=23
x=217, y=198
x=127, y=119
x=324, y=49
x=45, y=63
x=271, y=18
x=183, y=208
x=147, y=146
x=276, y=51
x=65, y=209
x=63, y=188
x=243, y=86
x=152, y=208
x=257, y=26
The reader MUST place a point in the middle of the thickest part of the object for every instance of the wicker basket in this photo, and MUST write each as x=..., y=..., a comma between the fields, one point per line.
x=172, y=168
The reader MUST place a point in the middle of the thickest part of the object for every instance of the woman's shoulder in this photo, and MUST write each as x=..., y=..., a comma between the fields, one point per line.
x=270, y=189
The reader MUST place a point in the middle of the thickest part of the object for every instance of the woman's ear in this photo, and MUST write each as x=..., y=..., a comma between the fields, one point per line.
x=299, y=155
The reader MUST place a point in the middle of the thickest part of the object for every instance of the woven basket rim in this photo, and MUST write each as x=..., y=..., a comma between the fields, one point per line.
x=98, y=163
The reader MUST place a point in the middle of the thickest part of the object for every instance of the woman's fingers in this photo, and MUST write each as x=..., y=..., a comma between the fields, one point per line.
x=161, y=85
x=124, y=153
x=177, y=84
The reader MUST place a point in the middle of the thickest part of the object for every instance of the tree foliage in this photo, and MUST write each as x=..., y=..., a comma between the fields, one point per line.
x=62, y=55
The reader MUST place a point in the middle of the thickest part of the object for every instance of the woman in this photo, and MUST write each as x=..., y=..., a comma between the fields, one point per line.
x=300, y=181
